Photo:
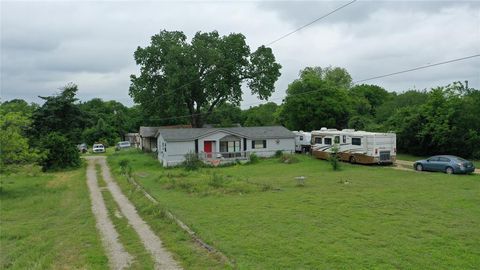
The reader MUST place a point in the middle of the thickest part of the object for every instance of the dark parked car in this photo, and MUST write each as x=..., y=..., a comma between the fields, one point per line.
x=447, y=164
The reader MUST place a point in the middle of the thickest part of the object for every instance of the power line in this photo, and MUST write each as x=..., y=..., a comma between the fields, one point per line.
x=312, y=22
x=282, y=37
x=355, y=82
x=417, y=68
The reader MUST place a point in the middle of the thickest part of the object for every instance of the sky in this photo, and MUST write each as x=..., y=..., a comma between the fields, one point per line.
x=48, y=44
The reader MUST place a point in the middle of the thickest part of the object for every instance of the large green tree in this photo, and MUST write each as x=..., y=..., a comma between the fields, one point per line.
x=60, y=113
x=446, y=123
x=14, y=146
x=116, y=116
x=178, y=77
x=226, y=115
x=319, y=98
x=261, y=115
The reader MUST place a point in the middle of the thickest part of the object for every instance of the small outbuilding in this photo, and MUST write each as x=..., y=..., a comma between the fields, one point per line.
x=133, y=138
x=221, y=145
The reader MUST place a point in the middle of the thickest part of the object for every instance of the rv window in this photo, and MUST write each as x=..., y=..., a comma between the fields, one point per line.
x=328, y=140
x=344, y=139
x=301, y=138
x=337, y=139
x=356, y=141
x=318, y=140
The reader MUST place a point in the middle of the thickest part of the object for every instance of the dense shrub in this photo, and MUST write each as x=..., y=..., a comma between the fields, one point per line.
x=278, y=153
x=192, y=162
x=60, y=153
x=254, y=158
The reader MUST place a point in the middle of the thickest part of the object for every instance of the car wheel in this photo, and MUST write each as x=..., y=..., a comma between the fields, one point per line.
x=352, y=160
x=419, y=167
x=449, y=170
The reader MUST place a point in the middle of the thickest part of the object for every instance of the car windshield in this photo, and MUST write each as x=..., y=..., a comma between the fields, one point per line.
x=461, y=159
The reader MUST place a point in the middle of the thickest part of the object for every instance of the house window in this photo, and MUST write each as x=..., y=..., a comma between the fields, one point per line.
x=337, y=139
x=357, y=141
x=229, y=146
x=318, y=140
x=301, y=138
x=327, y=141
x=344, y=139
x=259, y=144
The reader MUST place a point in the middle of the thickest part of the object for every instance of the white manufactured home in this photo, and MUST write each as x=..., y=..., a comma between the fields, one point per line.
x=355, y=146
x=222, y=145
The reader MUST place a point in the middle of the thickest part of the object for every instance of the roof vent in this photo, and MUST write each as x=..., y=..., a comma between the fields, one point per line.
x=323, y=128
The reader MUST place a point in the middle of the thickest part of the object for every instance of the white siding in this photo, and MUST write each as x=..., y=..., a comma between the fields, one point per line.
x=175, y=151
x=273, y=145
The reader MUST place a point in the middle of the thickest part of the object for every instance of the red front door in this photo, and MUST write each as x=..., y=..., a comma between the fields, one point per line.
x=207, y=148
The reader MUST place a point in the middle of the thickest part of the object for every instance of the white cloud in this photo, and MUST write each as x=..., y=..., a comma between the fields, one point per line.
x=45, y=45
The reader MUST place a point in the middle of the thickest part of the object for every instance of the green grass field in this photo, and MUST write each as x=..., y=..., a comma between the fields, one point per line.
x=359, y=217
x=47, y=223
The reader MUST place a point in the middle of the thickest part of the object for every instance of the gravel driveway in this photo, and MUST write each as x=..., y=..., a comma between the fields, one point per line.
x=162, y=258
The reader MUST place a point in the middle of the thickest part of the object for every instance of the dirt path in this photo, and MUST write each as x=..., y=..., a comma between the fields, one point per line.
x=117, y=256
x=162, y=258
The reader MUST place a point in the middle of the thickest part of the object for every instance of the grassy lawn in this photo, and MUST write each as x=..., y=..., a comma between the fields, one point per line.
x=47, y=223
x=184, y=250
x=359, y=217
x=415, y=158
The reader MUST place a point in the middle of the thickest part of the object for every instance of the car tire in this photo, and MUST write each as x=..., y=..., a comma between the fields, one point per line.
x=449, y=170
x=418, y=167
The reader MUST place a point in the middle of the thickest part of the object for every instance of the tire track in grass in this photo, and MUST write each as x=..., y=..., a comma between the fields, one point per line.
x=128, y=237
x=161, y=257
x=118, y=257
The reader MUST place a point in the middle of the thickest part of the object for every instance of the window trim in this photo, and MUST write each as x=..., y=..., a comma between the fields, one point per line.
x=264, y=144
x=359, y=140
x=329, y=140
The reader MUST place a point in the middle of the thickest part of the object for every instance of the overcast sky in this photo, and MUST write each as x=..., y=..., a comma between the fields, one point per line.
x=47, y=44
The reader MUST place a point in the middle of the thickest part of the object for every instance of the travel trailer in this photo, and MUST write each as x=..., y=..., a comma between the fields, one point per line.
x=302, y=141
x=355, y=146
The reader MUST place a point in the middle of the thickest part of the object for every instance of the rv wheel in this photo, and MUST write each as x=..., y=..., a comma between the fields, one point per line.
x=352, y=160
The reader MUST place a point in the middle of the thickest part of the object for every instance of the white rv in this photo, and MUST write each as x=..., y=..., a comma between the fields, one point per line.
x=302, y=141
x=355, y=146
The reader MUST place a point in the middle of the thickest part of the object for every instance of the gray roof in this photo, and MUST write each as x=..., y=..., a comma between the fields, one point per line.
x=189, y=134
x=152, y=131
x=148, y=131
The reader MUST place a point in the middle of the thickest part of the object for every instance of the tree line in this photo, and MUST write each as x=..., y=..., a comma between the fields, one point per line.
x=200, y=82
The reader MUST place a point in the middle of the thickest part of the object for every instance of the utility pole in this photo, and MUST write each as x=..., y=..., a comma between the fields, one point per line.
x=466, y=84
